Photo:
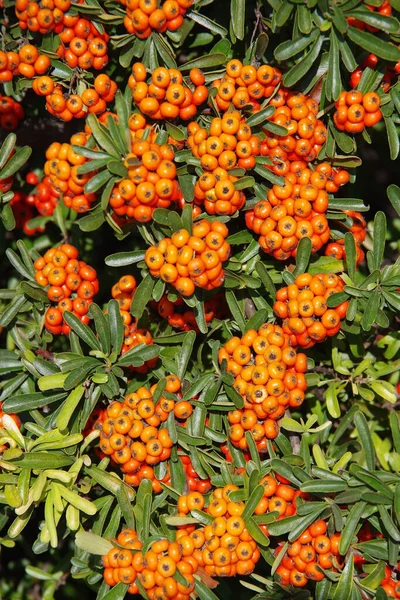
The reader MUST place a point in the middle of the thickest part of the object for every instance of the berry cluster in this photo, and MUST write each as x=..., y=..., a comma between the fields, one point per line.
x=244, y=85
x=27, y=62
x=296, y=209
x=180, y=316
x=189, y=261
x=305, y=557
x=216, y=191
x=151, y=181
x=154, y=569
x=61, y=167
x=224, y=548
x=167, y=96
x=306, y=134
x=72, y=285
x=269, y=374
x=11, y=113
x=145, y=16
x=44, y=197
x=44, y=17
x=123, y=291
x=82, y=45
x=304, y=310
x=92, y=100
x=16, y=420
x=132, y=434
x=337, y=250
x=227, y=143
x=355, y=111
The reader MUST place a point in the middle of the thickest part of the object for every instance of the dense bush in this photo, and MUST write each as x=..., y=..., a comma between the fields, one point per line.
x=199, y=322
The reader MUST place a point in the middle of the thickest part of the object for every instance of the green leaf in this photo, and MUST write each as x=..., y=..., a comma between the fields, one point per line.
x=102, y=327
x=290, y=48
x=393, y=193
x=116, y=593
x=92, y=543
x=138, y=355
x=365, y=438
x=204, y=592
x=388, y=523
x=16, y=162
x=142, y=296
x=238, y=9
x=381, y=22
x=235, y=310
x=299, y=70
x=6, y=148
x=260, y=116
x=204, y=62
x=333, y=82
x=371, y=310
x=183, y=357
x=68, y=407
x=268, y=174
x=103, y=139
x=379, y=238
x=373, y=44
x=345, y=583
x=84, y=332
x=350, y=527
x=12, y=310
x=116, y=326
x=351, y=256
x=123, y=259
x=97, y=182
x=384, y=389
x=393, y=137
x=252, y=502
x=302, y=256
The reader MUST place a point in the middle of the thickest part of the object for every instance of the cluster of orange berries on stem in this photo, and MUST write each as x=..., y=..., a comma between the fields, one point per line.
x=358, y=228
x=44, y=17
x=45, y=198
x=145, y=16
x=244, y=85
x=269, y=375
x=72, y=285
x=305, y=557
x=154, y=569
x=223, y=548
x=181, y=317
x=306, y=134
x=27, y=62
x=133, y=436
x=355, y=111
x=227, y=143
x=61, y=167
x=167, y=96
x=123, y=292
x=302, y=305
x=296, y=209
x=82, y=45
x=11, y=113
x=188, y=261
x=151, y=181
x=66, y=107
